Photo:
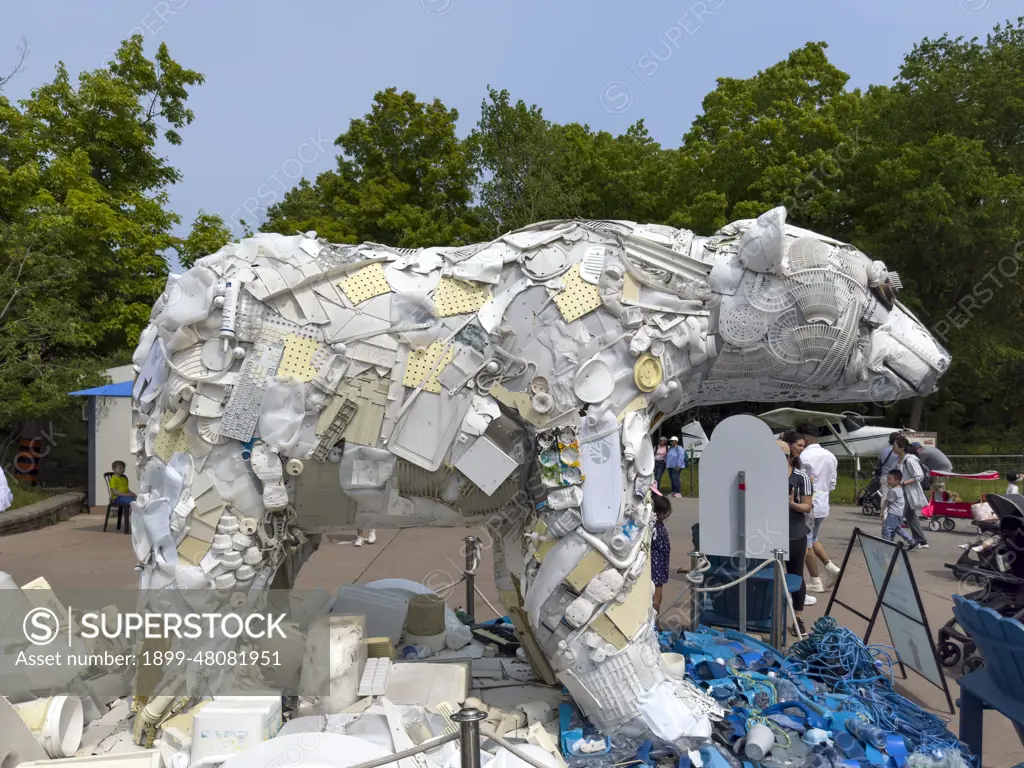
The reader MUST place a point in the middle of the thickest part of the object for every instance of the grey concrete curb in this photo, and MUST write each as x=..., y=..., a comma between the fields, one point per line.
x=41, y=514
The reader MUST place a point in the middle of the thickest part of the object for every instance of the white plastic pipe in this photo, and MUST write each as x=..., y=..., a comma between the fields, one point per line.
x=154, y=711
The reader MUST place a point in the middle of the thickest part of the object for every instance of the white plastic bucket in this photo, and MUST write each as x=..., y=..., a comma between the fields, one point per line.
x=56, y=723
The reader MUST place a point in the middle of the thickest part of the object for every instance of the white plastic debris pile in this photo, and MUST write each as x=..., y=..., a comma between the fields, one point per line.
x=412, y=705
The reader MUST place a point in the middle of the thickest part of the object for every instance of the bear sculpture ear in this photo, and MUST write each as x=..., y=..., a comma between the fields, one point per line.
x=761, y=246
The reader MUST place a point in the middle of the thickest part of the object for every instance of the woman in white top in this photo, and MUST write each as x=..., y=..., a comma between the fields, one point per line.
x=913, y=473
x=6, y=497
x=1012, y=478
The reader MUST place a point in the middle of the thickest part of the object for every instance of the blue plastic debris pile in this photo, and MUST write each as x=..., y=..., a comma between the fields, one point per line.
x=829, y=703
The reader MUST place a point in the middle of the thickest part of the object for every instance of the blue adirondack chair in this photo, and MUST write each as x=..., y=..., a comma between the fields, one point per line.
x=999, y=685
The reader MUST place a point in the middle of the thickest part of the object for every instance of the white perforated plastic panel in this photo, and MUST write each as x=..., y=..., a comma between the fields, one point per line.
x=365, y=283
x=458, y=297
x=297, y=358
x=743, y=325
x=419, y=365
x=579, y=296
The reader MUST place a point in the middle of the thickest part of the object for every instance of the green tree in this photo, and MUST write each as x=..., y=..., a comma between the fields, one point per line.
x=83, y=222
x=537, y=170
x=404, y=178
x=766, y=140
x=530, y=165
x=936, y=192
x=208, y=234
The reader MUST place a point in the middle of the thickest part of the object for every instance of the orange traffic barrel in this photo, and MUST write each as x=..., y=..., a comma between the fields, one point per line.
x=26, y=463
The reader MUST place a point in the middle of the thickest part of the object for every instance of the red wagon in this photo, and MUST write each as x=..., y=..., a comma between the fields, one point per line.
x=945, y=507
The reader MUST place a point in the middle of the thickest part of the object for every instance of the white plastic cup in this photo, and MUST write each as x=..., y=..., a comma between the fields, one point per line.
x=760, y=740
x=57, y=723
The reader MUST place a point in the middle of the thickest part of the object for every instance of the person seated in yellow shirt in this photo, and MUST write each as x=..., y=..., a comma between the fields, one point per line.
x=120, y=493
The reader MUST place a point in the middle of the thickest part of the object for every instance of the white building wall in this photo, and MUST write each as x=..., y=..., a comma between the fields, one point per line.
x=112, y=426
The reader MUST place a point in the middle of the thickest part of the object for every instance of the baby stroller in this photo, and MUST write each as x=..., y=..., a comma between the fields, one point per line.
x=870, y=499
x=992, y=552
x=994, y=566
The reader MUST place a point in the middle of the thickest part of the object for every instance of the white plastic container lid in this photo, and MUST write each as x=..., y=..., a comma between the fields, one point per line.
x=244, y=573
x=222, y=542
x=62, y=731
x=228, y=523
x=231, y=560
x=252, y=556
x=225, y=581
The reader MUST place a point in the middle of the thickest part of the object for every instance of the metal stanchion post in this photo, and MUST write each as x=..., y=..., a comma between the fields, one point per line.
x=469, y=719
x=472, y=560
x=742, y=586
x=695, y=596
x=779, y=601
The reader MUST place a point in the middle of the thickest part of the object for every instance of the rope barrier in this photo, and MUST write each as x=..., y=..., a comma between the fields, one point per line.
x=697, y=577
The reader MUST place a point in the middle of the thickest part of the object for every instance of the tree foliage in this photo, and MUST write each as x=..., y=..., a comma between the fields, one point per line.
x=404, y=178
x=83, y=222
x=208, y=234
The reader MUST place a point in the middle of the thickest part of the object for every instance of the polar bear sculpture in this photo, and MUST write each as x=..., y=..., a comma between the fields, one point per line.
x=289, y=387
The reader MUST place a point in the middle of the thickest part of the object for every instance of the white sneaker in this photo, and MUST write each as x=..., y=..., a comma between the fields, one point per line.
x=359, y=541
x=810, y=600
x=372, y=538
x=832, y=572
x=815, y=585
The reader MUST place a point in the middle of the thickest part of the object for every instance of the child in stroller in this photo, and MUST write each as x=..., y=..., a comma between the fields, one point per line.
x=994, y=569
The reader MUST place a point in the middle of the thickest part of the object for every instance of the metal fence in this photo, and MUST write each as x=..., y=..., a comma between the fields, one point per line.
x=849, y=481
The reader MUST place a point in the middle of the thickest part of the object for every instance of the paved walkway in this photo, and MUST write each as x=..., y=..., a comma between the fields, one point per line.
x=77, y=553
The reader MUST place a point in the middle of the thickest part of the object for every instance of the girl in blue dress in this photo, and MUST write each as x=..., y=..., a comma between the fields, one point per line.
x=661, y=547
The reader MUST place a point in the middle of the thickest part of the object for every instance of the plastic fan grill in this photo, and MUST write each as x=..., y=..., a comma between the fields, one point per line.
x=822, y=299
x=807, y=253
x=833, y=364
x=844, y=263
x=780, y=336
x=742, y=325
x=816, y=340
x=755, y=363
x=769, y=294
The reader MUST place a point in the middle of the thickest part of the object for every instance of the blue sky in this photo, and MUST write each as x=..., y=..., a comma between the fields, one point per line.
x=284, y=78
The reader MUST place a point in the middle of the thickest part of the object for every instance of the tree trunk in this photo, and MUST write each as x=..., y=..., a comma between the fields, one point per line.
x=915, y=413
